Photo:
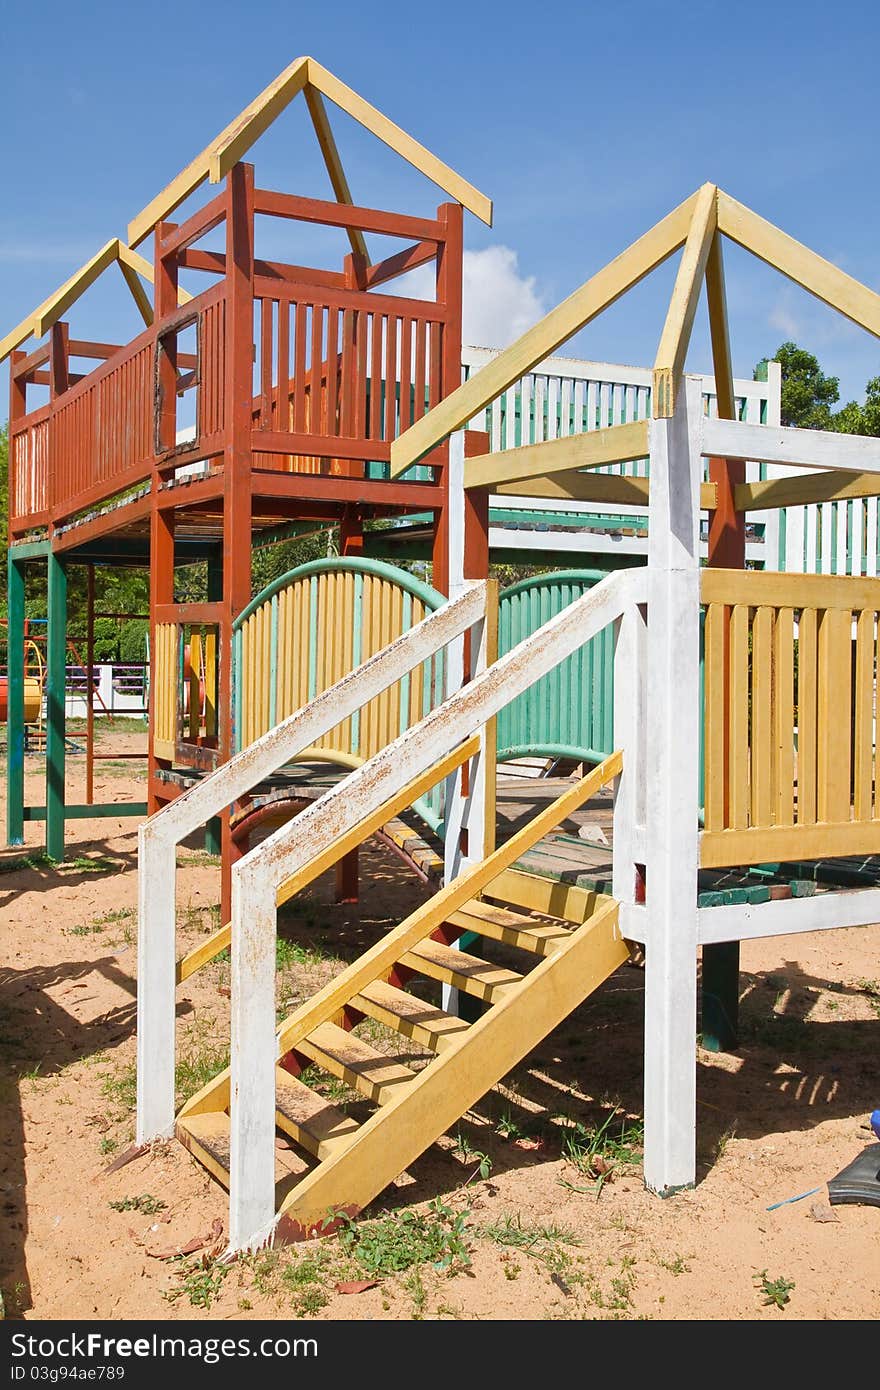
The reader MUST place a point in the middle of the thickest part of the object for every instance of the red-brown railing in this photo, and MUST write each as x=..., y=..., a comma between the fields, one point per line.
x=340, y=374
x=101, y=430
x=29, y=471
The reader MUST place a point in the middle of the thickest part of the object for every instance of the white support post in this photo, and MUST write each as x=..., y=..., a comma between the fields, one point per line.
x=673, y=679
x=630, y=722
x=156, y=1001
x=252, y=1060
x=455, y=811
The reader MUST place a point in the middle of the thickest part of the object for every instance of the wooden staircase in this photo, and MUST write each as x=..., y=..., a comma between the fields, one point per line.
x=330, y=1161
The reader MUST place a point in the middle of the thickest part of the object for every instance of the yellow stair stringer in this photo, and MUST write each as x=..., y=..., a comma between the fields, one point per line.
x=400, y=1131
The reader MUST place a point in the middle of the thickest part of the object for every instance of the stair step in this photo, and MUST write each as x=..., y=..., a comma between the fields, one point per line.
x=406, y=1014
x=355, y=1062
x=207, y=1137
x=462, y=971
x=321, y=1128
x=512, y=928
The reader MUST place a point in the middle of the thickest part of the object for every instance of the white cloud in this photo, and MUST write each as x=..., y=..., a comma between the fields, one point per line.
x=498, y=303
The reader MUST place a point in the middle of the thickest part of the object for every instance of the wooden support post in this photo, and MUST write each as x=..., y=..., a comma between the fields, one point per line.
x=351, y=532
x=213, y=829
x=727, y=550
x=161, y=592
x=15, y=704
x=347, y=878
x=672, y=848
x=236, y=458
x=56, y=673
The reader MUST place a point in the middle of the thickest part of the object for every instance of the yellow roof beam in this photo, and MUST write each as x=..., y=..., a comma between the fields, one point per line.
x=600, y=291
x=592, y=449
x=812, y=272
x=676, y=335
x=233, y=143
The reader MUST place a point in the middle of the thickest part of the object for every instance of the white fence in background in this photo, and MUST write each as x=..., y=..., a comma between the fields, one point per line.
x=119, y=689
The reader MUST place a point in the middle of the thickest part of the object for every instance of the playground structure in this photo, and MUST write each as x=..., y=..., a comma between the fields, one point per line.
x=739, y=697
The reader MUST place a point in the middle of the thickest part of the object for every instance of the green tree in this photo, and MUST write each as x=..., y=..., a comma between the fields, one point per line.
x=861, y=419
x=807, y=393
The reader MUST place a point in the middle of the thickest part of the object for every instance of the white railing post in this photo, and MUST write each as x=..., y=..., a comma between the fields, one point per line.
x=252, y=1060
x=630, y=720
x=672, y=796
x=156, y=999
x=454, y=800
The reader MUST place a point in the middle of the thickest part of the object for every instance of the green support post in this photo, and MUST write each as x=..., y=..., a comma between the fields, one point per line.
x=55, y=714
x=15, y=705
x=213, y=830
x=720, y=984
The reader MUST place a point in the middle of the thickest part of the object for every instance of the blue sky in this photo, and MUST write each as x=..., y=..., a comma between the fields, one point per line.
x=584, y=122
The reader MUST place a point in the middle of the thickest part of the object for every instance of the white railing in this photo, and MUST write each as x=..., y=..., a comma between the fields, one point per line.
x=159, y=836
x=258, y=876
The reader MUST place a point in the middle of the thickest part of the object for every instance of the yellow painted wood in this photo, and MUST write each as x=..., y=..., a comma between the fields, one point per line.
x=406, y=1014
x=333, y=162
x=402, y=144
x=756, y=587
x=211, y=1099
x=137, y=291
x=805, y=488
x=739, y=717
x=592, y=449
x=762, y=784
x=206, y=951
x=206, y=1135
x=676, y=335
x=808, y=645
x=719, y=331
x=464, y=972
x=335, y=851
x=511, y=928
x=596, y=487
x=536, y=894
x=716, y=724
x=834, y=742
x=364, y=1068
x=309, y=1118
x=770, y=844
x=395, y=1136
x=815, y=274
x=286, y=85
x=783, y=717
x=538, y=342
x=864, y=752
x=211, y=673
x=380, y=958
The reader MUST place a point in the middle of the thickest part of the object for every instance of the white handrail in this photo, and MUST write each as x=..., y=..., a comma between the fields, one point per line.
x=256, y=877
x=159, y=836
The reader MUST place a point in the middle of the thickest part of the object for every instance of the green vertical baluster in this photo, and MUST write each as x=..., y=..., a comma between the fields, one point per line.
x=15, y=706
x=55, y=720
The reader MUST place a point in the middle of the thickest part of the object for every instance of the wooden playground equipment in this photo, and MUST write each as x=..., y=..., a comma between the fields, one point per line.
x=731, y=710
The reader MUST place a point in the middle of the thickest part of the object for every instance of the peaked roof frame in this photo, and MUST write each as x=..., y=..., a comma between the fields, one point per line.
x=698, y=225
x=308, y=75
x=134, y=270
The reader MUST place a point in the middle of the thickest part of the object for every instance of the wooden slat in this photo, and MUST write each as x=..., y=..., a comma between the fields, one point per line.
x=461, y=970
x=762, y=718
x=783, y=717
x=770, y=844
x=715, y=719
x=512, y=928
x=355, y=1062
x=206, y=1135
x=834, y=716
x=310, y=1119
x=330, y=152
x=808, y=630
x=739, y=717
x=406, y=1014
x=593, y=449
x=863, y=765
x=756, y=587
x=563, y=900
x=809, y=487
